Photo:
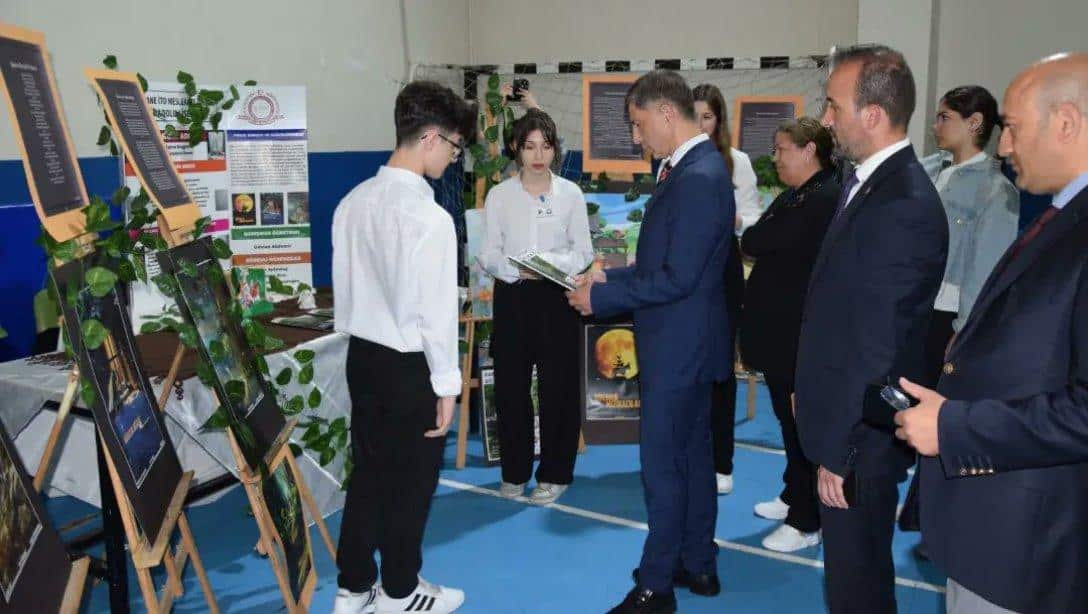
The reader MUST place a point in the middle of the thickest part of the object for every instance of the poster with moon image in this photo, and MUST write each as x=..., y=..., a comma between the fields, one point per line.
x=34, y=565
x=610, y=385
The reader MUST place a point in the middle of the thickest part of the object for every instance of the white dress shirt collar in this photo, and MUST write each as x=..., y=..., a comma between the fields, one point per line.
x=407, y=177
x=551, y=184
x=873, y=162
x=679, y=152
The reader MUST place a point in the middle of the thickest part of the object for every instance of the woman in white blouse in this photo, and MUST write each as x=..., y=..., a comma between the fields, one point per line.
x=533, y=324
x=713, y=116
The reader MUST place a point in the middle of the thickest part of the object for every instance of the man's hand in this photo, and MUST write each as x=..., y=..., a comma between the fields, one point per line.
x=443, y=419
x=829, y=486
x=918, y=425
x=580, y=297
x=597, y=277
x=527, y=99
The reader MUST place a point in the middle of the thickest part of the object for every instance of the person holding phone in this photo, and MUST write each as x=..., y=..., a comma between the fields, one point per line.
x=535, y=210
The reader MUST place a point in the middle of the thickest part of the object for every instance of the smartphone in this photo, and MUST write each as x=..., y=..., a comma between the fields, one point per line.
x=520, y=85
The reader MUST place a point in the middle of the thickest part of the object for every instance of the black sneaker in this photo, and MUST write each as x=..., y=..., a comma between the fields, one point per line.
x=644, y=601
x=706, y=585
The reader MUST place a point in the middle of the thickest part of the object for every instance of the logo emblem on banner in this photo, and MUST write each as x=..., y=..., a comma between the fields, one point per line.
x=260, y=109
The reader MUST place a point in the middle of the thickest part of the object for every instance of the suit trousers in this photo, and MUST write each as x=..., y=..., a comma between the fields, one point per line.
x=858, y=566
x=534, y=325
x=678, y=482
x=395, y=468
x=723, y=422
x=800, y=474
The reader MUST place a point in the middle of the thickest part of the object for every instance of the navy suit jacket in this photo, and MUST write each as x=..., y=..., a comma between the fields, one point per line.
x=866, y=316
x=1004, y=507
x=676, y=288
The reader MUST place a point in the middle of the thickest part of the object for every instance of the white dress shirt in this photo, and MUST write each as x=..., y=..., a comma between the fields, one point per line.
x=745, y=194
x=873, y=162
x=679, y=152
x=555, y=225
x=394, y=271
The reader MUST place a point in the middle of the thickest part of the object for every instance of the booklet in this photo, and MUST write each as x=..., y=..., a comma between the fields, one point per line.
x=537, y=264
x=305, y=321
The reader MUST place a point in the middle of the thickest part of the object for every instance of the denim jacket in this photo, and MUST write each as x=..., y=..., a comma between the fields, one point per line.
x=983, y=209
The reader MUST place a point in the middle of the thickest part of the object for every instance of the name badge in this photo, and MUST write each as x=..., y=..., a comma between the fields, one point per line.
x=544, y=211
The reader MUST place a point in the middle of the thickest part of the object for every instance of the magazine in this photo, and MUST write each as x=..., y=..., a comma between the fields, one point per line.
x=538, y=264
x=305, y=321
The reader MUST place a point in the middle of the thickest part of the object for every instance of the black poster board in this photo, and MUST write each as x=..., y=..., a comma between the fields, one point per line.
x=291, y=543
x=611, y=399
x=34, y=565
x=206, y=302
x=758, y=118
x=607, y=142
x=53, y=175
x=139, y=131
x=125, y=409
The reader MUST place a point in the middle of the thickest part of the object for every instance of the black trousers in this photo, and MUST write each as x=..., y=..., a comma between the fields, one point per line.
x=723, y=413
x=858, y=568
x=534, y=325
x=800, y=474
x=395, y=468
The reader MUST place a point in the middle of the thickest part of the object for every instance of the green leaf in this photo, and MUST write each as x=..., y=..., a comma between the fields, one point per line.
x=262, y=365
x=190, y=89
x=65, y=251
x=479, y=154
x=206, y=374
x=217, y=421
x=493, y=82
x=284, y=377
x=327, y=456
x=87, y=392
x=97, y=215
x=277, y=286
x=184, y=77
x=313, y=431
x=139, y=266
x=272, y=344
x=492, y=134
x=250, y=83
x=314, y=401
x=227, y=105
x=233, y=93
x=170, y=131
x=196, y=133
x=340, y=425
x=236, y=390
x=110, y=62
x=295, y=449
x=104, y=136
x=201, y=225
x=143, y=82
x=183, y=118
x=93, y=334
x=306, y=375
x=150, y=327
x=100, y=281
x=188, y=268
x=125, y=272
x=210, y=97
x=305, y=356
x=121, y=195
x=113, y=149
x=494, y=100
x=217, y=350
x=294, y=406
x=215, y=119
x=188, y=336
x=220, y=249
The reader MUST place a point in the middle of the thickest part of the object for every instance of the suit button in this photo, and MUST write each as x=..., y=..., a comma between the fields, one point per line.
x=949, y=368
x=963, y=471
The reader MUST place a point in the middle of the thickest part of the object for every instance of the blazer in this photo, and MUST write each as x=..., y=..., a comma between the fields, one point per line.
x=1004, y=507
x=866, y=315
x=676, y=288
x=784, y=243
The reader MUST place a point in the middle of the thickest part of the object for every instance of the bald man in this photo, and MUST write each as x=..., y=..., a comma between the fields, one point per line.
x=1004, y=478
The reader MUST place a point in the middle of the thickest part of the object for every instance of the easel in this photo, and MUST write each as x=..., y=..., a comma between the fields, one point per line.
x=269, y=537
x=469, y=383
x=77, y=580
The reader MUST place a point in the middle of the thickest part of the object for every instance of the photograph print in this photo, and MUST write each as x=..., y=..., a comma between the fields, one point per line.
x=292, y=547
x=20, y=525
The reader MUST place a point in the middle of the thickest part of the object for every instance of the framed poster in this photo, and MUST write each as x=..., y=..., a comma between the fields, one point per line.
x=611, y=400
x=607, y=143
x=290, y=547
x=489, y=417
x=135, y=129
x=41, y=132
x=206, y=302
x=34, y=565
x=124, y=406
x=757, y=119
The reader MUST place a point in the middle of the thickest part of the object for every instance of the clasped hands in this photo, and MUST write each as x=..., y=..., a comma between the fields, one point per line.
x=579, y=298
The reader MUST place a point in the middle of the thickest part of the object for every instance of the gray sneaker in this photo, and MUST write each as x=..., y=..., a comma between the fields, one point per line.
x=546, y=493
x=512, y=491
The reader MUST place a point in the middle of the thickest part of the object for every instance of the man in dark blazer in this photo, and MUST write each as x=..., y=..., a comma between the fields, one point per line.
x=1004, y=475
x=866, y=312
x=676, y=291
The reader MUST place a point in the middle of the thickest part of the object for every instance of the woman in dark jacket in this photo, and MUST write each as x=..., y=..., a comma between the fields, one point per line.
x=785, y=242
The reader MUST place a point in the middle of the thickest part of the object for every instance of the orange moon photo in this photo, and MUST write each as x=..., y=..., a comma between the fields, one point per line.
x=617, y=344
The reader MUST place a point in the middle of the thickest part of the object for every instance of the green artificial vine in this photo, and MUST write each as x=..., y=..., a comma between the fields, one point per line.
x=767, y=173
x=485, y=166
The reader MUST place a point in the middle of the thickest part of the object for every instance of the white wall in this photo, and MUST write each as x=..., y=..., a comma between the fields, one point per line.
x=505, y=31
x=987, y=42
x=348, y=53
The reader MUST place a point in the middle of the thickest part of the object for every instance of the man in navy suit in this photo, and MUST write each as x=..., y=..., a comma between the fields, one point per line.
x=866, y=312
x=676, y=291
x=1004, y=474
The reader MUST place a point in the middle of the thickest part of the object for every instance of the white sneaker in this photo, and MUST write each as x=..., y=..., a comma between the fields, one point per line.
x=725, y=483
x=348, y=602
x=546, y=493
x=772, y=510
x=788, y=539
x=426, y=598
x=511, y=491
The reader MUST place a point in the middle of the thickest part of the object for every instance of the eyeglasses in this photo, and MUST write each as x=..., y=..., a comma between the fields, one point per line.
x=457, y=148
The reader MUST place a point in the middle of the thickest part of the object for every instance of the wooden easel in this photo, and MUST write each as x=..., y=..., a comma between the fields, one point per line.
x=77, y=581
x=281, y=453
x=147, y=555
x=469, y=383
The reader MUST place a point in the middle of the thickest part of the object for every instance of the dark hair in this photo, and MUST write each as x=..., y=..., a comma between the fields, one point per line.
x=885, y=80
x=712, y=96
x=662, y=85
x=426, y=104
x=534, y=119
x=970, y=99
x=805, y=130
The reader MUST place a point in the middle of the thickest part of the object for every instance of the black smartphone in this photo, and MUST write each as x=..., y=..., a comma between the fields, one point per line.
x=520, y=85
x=881, y=403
